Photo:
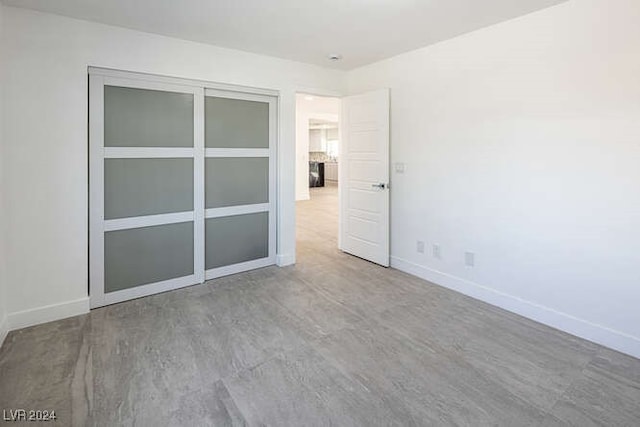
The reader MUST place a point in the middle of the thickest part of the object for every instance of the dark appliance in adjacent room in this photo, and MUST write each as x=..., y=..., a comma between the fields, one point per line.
x=316, y=174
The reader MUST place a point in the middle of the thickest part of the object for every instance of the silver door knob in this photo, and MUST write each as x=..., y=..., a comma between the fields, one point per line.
x=381, y=186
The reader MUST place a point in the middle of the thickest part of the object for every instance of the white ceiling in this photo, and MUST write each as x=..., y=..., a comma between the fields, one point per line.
x=362, y=31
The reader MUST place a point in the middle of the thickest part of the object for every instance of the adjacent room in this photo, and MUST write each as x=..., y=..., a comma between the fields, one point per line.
x=317, y=171
x=351, y=213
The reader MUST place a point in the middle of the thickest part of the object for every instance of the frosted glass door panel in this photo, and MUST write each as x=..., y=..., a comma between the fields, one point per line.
x=232, y=181
x=137, y=187
x=236, y=123
x=235, y=239
x=147, y=118
x=145, y=255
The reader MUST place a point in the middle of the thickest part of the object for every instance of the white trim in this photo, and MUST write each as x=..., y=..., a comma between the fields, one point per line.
x=236, y=210
x=4, y=329
x=130, y=81
x=282, y=260
x=305, y=195
x=147, y=221
x=327, y=93
x=149, y=289
x=231, y=94
x=273, y=178
x=599, y=334
x=198, y=186
x=96, y=190
x=144, y=77
x=147, y=152
x=48, y=313
x=236, y=152
x=227, y=270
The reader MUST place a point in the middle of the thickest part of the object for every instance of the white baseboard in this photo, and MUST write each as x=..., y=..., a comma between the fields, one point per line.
x=48, y=313
x=303, y=196
x=4, y=329
x=602, y=335
x=282, y=260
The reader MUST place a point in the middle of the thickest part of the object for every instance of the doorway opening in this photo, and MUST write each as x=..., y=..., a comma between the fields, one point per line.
x=317, y=173
x=350, y=134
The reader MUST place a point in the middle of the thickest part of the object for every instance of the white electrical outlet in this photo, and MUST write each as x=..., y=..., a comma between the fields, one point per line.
x=469, y=259
x=399, y=167
x=420, y=246
x=436, y=252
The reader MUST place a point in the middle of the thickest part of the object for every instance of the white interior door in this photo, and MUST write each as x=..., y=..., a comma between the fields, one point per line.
x=364, y=176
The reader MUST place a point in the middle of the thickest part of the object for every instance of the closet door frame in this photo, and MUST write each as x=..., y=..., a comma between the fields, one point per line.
x=98, y=226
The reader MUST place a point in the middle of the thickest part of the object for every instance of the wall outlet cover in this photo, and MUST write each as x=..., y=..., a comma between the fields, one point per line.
x=436, y=252
x=469, y=259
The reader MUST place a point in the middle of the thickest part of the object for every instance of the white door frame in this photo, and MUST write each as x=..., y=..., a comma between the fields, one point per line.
x=98, y=78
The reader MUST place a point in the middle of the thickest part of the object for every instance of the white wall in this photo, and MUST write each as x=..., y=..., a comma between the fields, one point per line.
x=522, y=145
x=46, y=59
x=3, y=298
x=325, y=108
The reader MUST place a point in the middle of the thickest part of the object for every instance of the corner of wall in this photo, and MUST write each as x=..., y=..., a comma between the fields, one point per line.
x=283, y=260
x=303, y=195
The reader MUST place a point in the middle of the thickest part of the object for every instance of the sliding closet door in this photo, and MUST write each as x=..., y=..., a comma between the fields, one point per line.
x=240, y=224
x=146, y=182
x=182, y=184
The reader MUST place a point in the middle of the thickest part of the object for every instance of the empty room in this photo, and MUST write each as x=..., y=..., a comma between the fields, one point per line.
x=334, y=213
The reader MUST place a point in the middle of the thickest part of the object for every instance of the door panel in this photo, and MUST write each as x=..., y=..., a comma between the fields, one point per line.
x=364, y=176
x=236, y=123
x=236, y=239
x=240, y=182
x=364, y=170
x=147, y=118
x=137, y=187
x=364, y=229
x=363, y=141
x=146, y=255
x=145, y=182
x=363, y=199
x=236, y=181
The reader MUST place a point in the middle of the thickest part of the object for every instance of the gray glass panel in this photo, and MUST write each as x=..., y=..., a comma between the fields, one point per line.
x=233, y=181
x=235, y=123
x=147, y=255
x=136, y=187
x=234, y=239
x=147, y=118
